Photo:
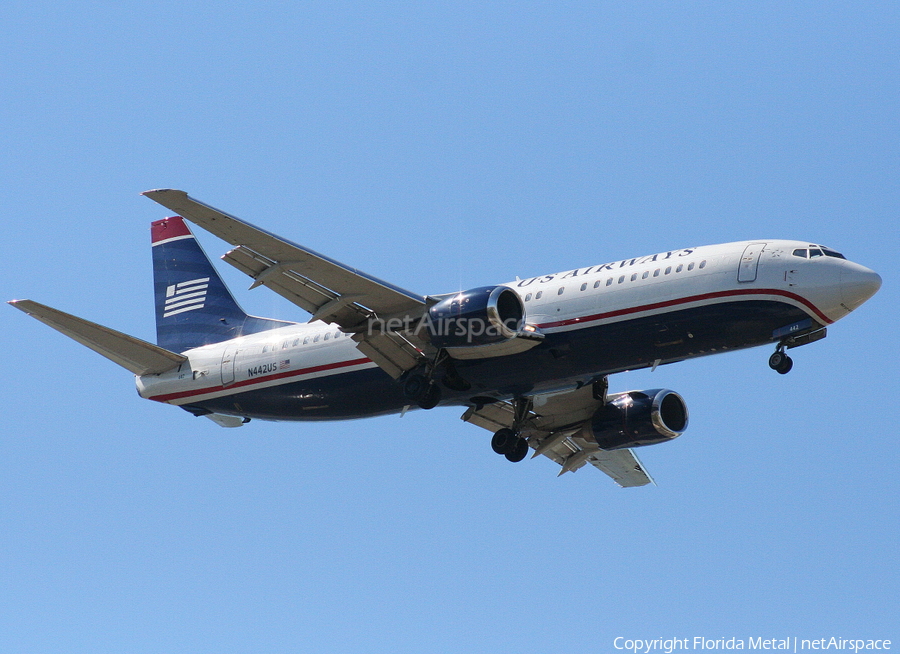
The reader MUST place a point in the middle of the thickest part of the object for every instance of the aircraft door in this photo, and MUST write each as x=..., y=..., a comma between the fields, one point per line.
x=228, y=361
x=750, y=262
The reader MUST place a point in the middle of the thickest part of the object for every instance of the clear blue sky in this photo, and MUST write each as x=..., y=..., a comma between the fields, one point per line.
x=443, y=146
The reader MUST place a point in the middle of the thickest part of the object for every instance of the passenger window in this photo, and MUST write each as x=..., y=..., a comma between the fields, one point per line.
x=609, y=281
x=327, y=336
x=561, y=289
x=528, y=298
x=656, y=273
x=316, y=339
x=597, y=284
x=621, y=279
x=679, y=268
x=668, y=270
x=539, y=294
x=584, y=287
x=703, y=264
x=690, y=266
x=646, y=274
x=306, y=340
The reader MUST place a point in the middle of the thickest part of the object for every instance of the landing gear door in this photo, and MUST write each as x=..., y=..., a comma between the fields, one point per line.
x=228, y=361
x=750, y=262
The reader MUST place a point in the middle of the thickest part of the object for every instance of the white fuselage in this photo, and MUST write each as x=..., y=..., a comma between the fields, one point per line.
x=825, y=288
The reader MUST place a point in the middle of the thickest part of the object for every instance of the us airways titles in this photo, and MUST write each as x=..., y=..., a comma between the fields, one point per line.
x=616, y=265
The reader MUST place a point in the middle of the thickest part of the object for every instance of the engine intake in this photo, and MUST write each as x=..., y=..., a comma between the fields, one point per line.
x=638, y=418
x=480, y=316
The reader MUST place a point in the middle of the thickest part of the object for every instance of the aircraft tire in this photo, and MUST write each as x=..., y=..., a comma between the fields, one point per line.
x=431, y=397
x=415, y=387
x=786, y=366
x=777, y=360
x=519, y=451
x=504, y=441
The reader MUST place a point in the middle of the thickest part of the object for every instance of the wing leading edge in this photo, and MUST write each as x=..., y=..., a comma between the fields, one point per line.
x=329, y=290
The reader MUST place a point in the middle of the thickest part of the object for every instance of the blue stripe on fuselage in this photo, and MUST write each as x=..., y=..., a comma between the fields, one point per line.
x=564, y=357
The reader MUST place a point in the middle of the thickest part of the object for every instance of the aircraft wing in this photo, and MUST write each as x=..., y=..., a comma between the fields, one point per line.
x=553, y=428
x=329, y=290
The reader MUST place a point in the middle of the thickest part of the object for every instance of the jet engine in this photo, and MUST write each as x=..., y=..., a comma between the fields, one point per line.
x=477, y=317
x=637, y=418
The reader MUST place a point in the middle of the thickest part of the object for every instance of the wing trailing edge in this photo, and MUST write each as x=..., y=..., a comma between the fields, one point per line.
x=333, y=292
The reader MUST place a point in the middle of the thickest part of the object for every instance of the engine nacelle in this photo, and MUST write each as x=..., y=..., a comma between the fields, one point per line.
x=638, y=418
x=480, y=316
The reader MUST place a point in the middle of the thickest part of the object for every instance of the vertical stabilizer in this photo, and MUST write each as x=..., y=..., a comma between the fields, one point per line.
x=193, y=305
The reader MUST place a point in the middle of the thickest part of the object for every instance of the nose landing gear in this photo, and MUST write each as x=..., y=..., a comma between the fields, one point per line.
x=799, y=333
x=781, y=362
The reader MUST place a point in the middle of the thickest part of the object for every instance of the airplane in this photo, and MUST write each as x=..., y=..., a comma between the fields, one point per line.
x=529, y=360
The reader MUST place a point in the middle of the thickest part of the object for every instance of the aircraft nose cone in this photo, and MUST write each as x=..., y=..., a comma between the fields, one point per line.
x=858, y=284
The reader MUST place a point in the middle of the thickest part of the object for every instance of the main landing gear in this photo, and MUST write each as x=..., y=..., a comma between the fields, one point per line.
x=781, y=362
x=419, y=385
x=510, y=444
x=423, y=391
x=508, y=441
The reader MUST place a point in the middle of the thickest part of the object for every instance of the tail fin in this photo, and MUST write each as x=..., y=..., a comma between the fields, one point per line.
x=193, y=305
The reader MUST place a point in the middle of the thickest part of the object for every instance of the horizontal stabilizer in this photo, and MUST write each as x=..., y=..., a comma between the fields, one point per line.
x=140, y=357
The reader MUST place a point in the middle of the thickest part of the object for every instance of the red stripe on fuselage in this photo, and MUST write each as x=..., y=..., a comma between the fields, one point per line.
x=561, y=323
x=686, y=300
x=168, y=397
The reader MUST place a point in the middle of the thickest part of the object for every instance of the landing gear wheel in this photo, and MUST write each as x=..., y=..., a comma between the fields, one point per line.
x=420, y=390
x=431, y=398
x=507, y=441
x=503, y=441
x=519, y=451
x=509, y=444
x=414, y=386
x=785, y=367
x=781, y=362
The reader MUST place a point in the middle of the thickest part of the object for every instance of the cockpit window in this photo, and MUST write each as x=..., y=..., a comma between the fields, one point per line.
x=817, y=251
